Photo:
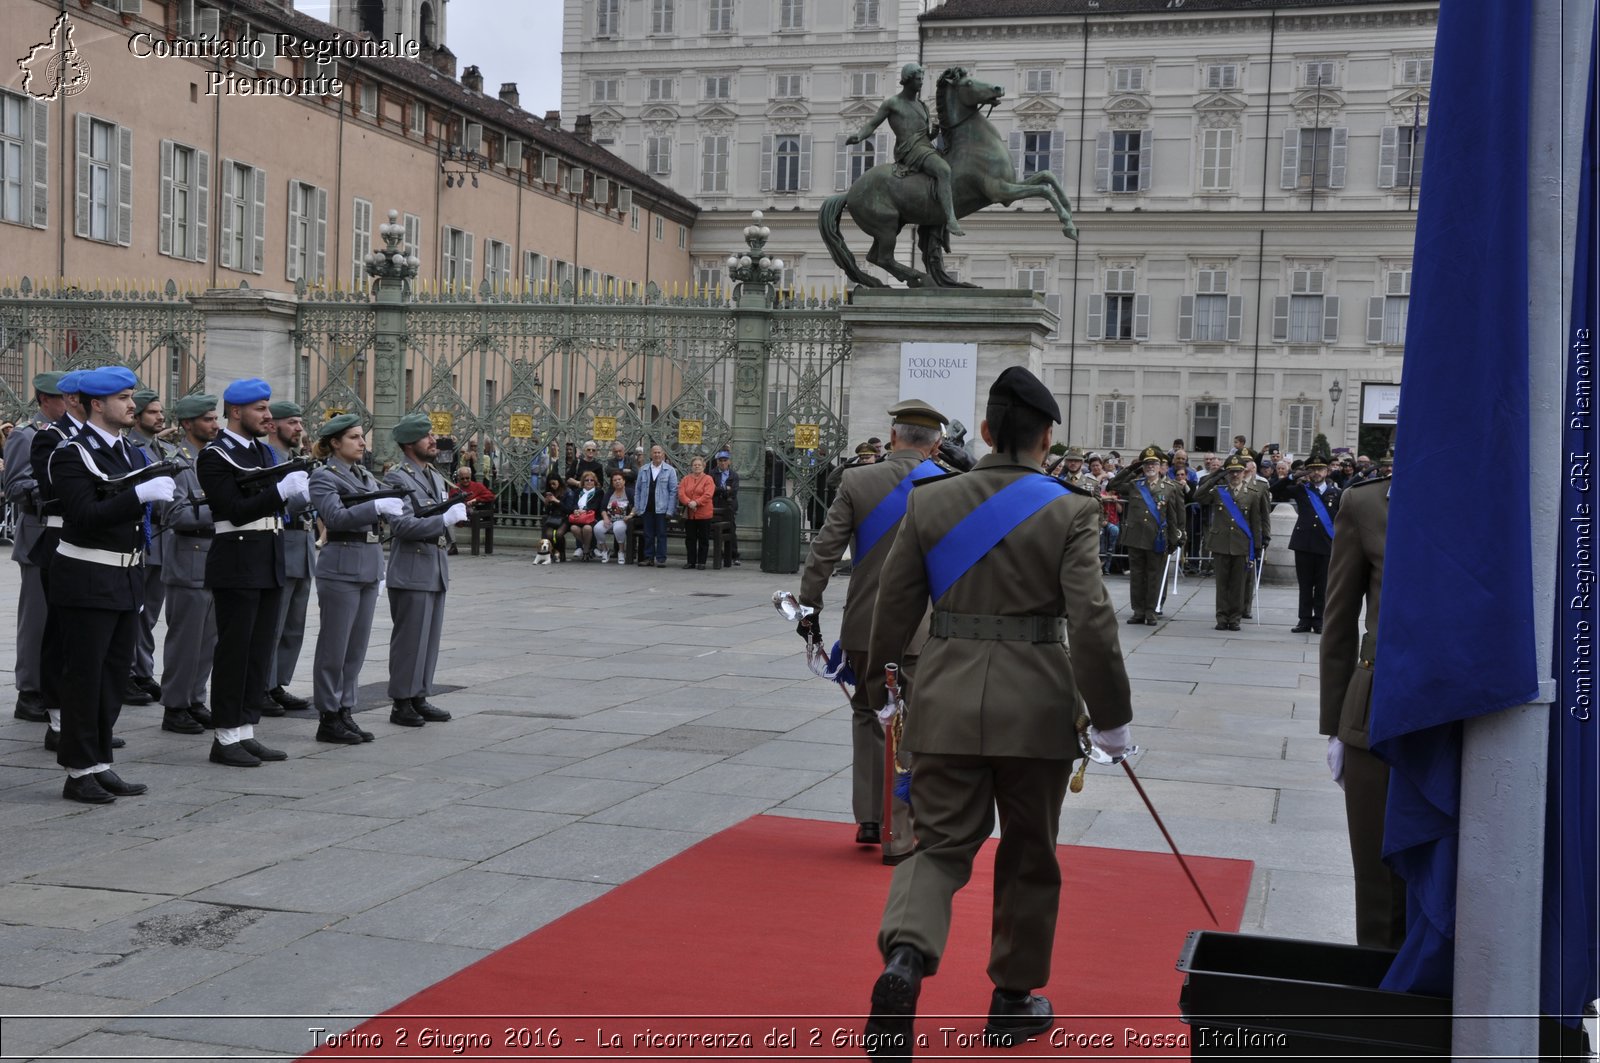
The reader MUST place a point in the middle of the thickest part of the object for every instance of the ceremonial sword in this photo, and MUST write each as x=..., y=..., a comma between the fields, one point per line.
x=1101, y=757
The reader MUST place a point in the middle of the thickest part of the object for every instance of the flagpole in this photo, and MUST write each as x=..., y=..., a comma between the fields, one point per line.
x=1500, y=870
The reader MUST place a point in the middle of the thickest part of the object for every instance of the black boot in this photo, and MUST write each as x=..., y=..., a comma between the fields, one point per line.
x=30, y=707
x=894, y=1005
x=200, y=715
x=178, y=721
x=1015, y=1016
x=332, y=729
x=405, y=714
x=428, y=711
x=350, y=725
x=291, y=702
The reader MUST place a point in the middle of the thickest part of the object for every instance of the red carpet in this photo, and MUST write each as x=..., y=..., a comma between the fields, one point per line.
x=769, y=927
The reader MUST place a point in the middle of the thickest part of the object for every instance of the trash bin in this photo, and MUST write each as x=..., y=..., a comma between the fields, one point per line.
x=1251, y=997
x=780, y=536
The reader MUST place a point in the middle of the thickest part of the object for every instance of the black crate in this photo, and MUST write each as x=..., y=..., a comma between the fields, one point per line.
x=1250, y=997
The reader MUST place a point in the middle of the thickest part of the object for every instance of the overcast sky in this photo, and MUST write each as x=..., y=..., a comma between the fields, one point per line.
x=509, y=40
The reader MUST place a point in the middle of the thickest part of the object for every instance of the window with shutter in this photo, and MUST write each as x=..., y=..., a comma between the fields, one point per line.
x=863, y=83
x=788, y=86
x=1210, y=426
x=720, y=16
x=1315, y=156
x=866, y=13
x=413, y=238
x=97, y=179
x=360, y=240
x=419, y=119
x=661, y=88
x=1114, y=423
x=718, y=87
x=497, y=263
x=1306, y=308
x=1301, y=427
x=1038, y=81
x=181, y=201
x=791, y=14
x=1318, y=74
x=1037, y=151
x=1129, y=160
x=369, y=97
x=1121, y=305
x=1417, y=70
x=1127, y=79
x=533, y=270
x=714, y=164
x=16, y=156
x=661, y=13
x=607, y=18
x=787, y=163
x=1216, y=160
x=1409, y=143
x=1222, y=77
x=658, y=155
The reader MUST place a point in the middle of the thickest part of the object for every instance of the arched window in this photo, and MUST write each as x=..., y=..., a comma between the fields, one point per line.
x=369, y=16
x=429, y=30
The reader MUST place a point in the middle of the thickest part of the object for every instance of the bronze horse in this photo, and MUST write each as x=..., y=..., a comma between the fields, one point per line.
x=981, y=173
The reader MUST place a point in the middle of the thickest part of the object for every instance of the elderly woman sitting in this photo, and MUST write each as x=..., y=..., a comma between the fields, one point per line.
x=476, y=492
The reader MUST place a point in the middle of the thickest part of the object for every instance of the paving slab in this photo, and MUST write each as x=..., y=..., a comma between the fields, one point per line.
x=461, y=832
x=593, y=852
x=70, y=907
x=475, y=909
x=331, y=880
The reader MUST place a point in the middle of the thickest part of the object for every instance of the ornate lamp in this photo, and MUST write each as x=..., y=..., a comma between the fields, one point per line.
x=392, y=263
x=754, y=266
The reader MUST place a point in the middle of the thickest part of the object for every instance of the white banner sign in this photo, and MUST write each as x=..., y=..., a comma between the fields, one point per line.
x=945, y=376
x=1380, y=404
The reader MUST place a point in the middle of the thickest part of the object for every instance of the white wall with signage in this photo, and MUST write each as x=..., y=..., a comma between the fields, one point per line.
x=1380, y=404
x=945, y=376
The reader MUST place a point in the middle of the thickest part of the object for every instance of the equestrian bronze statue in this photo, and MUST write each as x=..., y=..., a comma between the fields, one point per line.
x=929, y=189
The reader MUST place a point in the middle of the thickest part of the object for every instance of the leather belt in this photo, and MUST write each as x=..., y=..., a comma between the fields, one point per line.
x=353, y=537
x=101, y=557
x=54, y=522
x=264, y=524
x=949, y=625
x=195, y=533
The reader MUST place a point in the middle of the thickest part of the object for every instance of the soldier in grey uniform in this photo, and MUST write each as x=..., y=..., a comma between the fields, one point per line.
x=348, y=570
x=866, y=512
x=1238, y=535
x=149, y=421
x=992, y=725
x=1150, y=529
x=299, y=562
x=191, y=614
x=419, y=574
x=20, y=492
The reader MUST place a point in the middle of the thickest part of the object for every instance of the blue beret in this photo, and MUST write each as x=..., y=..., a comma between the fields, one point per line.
x=68, y=384
x=106, y=380
x=244, y=392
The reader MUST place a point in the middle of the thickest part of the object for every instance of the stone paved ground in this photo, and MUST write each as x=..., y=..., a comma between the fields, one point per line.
x=607, y=719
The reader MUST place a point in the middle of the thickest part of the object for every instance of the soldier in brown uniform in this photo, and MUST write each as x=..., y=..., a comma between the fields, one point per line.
x=1238, y=535
x=1355, y=577
x=1072, y=472
x=1152, y=528
x=1009, y=558
x=867, y=510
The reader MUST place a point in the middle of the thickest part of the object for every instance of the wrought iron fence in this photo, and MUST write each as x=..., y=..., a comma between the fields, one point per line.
x=152, y=329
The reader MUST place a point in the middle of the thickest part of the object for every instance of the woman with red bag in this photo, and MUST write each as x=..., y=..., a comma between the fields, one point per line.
x=583, y=513
x=697, y=492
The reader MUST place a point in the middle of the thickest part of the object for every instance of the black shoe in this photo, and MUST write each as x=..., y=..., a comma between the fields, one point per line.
x=201, y=715
x=1222, y=625
x=52, y=739
x=688, y=564
x=234, y=756
x=261, y=752
x=265, y=706
x=737, y=563
x=87, y=788
x=178, y=721
x=1302, y=628
x=112, y=784
x=1015, y=1017
x=1152, y=620
x=868, y=834
x=894, y=1005
x=428, y=711
x=1135, y=619
x=149, y=686
x=1233, y=625
x=30, y=707
x=350, y=725
x=1316, y=629
x=332, y=729
x=700, y=567
x=895, y=859
x=292, y=702
x=1248, y=616
x=117, y=743
x=404, y=714
x=134, y=694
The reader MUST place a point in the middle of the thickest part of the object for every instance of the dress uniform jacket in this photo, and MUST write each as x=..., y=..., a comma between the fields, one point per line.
x=353, y=561
x=32, y=609
x=188, y=529
x=43, y=444
x=347, y=582
x=299, y=534
x=243, y=559
x=191, y=613
x=418, y=552
x=1355, y=579
x=1225, y=536
x=1139, y=526
x=1004, y=698
x=19, y=488
x=154, y=557
x=1308, y=534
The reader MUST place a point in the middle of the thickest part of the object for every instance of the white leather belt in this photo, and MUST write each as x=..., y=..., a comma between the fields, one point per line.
x=54, y=522
x=266, y=524
x=101, y=557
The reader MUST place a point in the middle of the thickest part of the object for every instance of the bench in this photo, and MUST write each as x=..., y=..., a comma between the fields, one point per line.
x=722, y=536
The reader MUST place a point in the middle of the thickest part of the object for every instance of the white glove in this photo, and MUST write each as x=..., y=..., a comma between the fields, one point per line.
x=456, y=514
x=1336, y=760
x=159, y=489
x=294, y=485
x=389, y=507
x=1113, y=743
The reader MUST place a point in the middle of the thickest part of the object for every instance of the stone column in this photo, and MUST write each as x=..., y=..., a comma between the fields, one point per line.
x=1009, y=327
x=249, y=333
x=752, y=331
x=388, y=354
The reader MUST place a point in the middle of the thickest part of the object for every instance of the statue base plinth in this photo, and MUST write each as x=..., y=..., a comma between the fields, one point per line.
x=1005, y=326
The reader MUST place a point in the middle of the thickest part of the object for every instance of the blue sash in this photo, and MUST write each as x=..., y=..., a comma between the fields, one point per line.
x=1320, y=508
x=1232, y=507
x=981, y=530
x=1155, y=511
x=887, y=513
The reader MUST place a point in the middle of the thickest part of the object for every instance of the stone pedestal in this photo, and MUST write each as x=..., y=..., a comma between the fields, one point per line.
x=1008, y=327
x=248, y=334
x=1280, y=559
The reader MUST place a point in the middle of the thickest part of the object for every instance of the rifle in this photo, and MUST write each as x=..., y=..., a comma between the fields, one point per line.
x=373, y=496
x=259, y=479
x=439, y=509
x=155, y=470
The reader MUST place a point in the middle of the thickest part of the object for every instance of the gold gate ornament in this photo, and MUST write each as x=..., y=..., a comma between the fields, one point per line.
x=521, y=426
x=691, y=433
x=442, y=423
x=605, y=429
x=807, y=436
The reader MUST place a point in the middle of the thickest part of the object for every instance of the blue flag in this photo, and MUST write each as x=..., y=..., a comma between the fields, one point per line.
x=1570, y=942
x=1457, y=637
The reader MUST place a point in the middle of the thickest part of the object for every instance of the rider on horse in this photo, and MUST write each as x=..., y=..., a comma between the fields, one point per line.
x=913, y=145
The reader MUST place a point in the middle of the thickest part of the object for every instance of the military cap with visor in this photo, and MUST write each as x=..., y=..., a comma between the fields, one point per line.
x=1234, y=464
x=917, y=412
x=1152, y=454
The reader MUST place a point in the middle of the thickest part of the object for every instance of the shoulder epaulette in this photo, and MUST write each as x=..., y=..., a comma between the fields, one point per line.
x=934, y=479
